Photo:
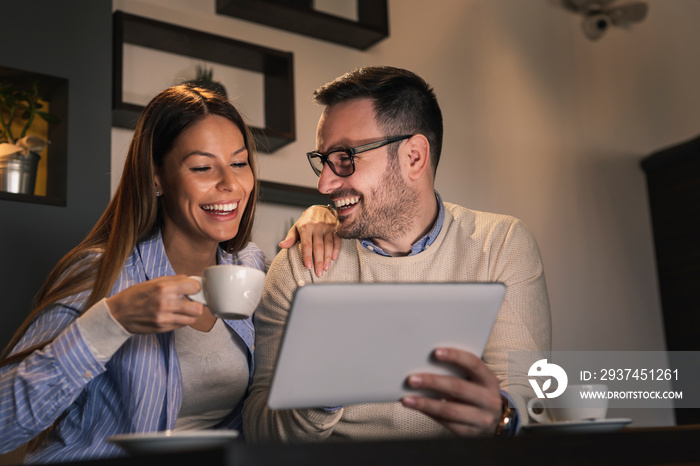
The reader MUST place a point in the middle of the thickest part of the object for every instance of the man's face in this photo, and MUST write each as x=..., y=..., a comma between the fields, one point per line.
x=375, y=201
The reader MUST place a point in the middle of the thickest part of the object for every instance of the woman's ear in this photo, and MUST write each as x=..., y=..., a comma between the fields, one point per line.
x=157, y=187
x=417, y=156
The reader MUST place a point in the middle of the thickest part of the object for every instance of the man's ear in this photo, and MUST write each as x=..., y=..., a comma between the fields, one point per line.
x=417, y=156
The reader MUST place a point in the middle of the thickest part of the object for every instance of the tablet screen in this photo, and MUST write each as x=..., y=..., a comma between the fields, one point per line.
x=358, y=342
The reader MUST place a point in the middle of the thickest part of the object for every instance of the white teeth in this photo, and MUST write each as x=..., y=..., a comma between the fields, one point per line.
x=347, y=201
x=220, y=208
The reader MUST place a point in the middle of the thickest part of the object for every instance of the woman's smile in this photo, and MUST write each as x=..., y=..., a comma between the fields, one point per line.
x=206, y=179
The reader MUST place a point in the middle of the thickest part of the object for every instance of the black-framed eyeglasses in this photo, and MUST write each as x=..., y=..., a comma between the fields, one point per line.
x=342, y=161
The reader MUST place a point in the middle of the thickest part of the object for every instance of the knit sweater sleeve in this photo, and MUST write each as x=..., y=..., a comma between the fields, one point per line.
x=523, y=325
x=260, y=423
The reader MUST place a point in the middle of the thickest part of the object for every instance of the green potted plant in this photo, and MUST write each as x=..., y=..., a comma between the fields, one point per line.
x=19, y=153
x=204, y=77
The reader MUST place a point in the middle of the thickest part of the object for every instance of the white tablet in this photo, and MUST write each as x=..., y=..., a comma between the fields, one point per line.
x=358, y=342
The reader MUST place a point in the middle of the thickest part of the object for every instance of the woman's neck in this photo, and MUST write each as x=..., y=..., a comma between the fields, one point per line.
x=189, y=258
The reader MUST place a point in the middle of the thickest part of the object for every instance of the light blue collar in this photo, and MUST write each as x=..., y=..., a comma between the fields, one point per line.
x=420, y=245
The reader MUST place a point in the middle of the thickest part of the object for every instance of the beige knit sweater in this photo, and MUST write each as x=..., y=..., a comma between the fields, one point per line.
x=472, y=246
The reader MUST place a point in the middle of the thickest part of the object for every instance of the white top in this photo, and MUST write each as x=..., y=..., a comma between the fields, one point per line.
x=214, y=365
x=214, y=375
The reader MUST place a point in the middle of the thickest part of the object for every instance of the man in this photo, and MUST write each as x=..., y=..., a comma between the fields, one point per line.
x=378, y=147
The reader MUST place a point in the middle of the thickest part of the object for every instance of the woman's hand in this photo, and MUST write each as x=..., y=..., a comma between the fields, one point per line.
x=157, y=305
x=315, y=229
x=467, y=406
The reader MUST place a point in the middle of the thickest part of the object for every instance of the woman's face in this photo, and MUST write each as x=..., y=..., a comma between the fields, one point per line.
x=205, y=182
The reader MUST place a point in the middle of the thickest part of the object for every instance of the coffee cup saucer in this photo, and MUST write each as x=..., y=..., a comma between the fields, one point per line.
x=592, y=425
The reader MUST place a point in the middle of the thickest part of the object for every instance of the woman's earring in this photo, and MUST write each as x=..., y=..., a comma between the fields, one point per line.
x=157, y=193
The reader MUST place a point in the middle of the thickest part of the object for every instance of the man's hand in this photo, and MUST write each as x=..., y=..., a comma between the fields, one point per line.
x=315, y=229
x=467, y=407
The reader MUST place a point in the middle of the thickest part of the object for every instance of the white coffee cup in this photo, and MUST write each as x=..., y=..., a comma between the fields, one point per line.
x=570, y=405
x=230, y=291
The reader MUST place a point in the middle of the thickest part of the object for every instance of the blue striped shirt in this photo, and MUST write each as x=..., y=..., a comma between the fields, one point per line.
x=138, y=390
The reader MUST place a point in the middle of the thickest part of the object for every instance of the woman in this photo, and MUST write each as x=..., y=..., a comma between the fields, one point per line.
x=112, y=345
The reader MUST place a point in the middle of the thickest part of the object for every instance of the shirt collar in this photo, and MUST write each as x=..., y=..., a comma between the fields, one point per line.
x=155, y=260
x=420, y=245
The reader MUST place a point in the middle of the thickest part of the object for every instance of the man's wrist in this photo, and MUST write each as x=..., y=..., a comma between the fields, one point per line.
x=507, y=423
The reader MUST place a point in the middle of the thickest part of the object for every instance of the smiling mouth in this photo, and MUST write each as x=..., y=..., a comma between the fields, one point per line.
x=346, y=202
x=220, y=209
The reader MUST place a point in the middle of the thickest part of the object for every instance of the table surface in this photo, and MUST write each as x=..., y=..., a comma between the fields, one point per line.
x=652, y=446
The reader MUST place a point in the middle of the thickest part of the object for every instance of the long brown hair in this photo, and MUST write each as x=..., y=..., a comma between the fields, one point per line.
x=134, y=213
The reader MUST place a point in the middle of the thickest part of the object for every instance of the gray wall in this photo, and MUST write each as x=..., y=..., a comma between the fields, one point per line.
x=54, y=38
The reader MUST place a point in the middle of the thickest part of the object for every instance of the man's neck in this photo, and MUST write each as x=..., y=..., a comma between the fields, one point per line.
x=427, y=215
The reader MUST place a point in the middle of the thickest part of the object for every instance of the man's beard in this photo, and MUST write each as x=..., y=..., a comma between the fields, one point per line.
x=390, y=211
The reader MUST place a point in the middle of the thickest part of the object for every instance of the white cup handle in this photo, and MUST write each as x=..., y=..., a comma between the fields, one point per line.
x=199, y=296
x=535, y=404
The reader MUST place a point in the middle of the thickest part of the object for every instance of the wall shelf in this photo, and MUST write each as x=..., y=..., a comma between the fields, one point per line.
x=299, y=16
x=276, y=67
x=299, y=196
x=32, y=199
x=54, y=91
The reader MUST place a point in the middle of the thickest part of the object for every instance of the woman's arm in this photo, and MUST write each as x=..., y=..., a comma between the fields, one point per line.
x=315, y=229
x=37, y=390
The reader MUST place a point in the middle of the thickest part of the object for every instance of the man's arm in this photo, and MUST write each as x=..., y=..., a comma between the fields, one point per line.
x=524, y=325
x=474, y=406
x=260, y=423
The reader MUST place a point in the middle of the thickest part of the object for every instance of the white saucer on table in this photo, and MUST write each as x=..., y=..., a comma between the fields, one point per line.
x=593, y=425
x=172, y=441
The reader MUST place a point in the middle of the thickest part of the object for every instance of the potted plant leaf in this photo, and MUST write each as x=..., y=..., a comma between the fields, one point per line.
x=19, y=151
x=205, y=78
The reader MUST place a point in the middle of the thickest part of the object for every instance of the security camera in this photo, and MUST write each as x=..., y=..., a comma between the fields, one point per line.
x=594, y=26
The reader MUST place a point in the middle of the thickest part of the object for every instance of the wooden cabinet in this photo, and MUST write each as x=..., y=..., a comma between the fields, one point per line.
x=673, y=180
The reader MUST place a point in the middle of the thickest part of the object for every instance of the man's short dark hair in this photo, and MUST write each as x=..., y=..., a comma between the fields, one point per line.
x=403, y=102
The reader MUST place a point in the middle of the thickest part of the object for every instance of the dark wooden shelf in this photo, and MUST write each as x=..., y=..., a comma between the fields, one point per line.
x=276, y=67
x=298, y=16
x=278, y=193
x=53, y=90
x=32, y=198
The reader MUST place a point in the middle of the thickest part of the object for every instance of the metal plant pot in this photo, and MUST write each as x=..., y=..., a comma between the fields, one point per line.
x=18, y=173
